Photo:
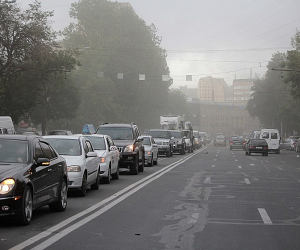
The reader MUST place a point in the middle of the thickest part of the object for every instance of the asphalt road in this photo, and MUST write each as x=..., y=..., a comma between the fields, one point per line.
x=212, y=199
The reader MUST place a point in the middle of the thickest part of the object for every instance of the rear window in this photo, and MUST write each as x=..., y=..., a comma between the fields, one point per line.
x=146, y=141
x=159, y=134
x=258, y=141
x=14, y=151
x=274, y=136
x=65, y=146
x=97, y=142
x=265, y=135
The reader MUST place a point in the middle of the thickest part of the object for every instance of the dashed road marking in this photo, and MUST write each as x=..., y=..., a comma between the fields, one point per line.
x=266, y=161
x=251, y=164
x=283, y=162
x=247, y=181
x=240, y=167
x=213, y=166
x=207, y=180
x=215, y=159
x=265, y=217
x=235, y=160
x=280, y=168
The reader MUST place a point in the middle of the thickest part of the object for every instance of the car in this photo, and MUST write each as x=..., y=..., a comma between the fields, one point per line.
x=220, y=140
x=59, y=132
x=257, y=146
x=82, y=161
x=288, y=144
x=131, y=149
x=189, y=140
x=179, y=145
x=272, y=137
x=203, y=137
x=197, y=140
x=151, y=150
x=237, y=143
x=163, y=138
x=32, y=174
x=109, y=156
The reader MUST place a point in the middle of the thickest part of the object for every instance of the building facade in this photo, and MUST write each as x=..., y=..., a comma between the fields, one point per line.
x=242, y=90
x=212, y=89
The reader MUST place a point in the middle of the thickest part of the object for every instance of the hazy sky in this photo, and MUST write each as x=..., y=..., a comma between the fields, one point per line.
x=219, y=38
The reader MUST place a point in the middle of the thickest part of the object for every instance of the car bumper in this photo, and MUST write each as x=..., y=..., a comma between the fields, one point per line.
x=163, y=148
x=148, y=159
x=127, y=158
x=75, y=180
x=10, y=205
x=104, y=169
x=258, y=151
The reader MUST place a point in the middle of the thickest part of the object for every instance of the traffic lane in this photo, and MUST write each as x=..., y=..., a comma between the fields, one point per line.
x=12, y=233
x=131, y=223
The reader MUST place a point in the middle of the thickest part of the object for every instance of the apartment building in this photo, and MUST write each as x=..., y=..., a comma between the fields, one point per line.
x=242, y=90
x=212, y=89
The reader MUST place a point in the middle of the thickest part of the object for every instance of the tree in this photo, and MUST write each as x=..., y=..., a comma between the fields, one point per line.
x=30, y=61
x=118, y=41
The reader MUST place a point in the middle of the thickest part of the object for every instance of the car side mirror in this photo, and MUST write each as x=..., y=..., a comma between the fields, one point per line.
x=43, y=162
x=139, y=139
x=91, y=154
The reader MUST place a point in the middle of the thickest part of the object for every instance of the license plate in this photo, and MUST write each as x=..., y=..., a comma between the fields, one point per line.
x=259, y=147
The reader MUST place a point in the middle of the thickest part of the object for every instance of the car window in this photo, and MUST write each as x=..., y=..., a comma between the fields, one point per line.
x=90, y=147
x=54, y=155
x=146, y=141
x=65, y=146
x=274, y=136
x=38, y=153
x=14, y=151
x=265, y=135
x=97, y=142
x=117, y=133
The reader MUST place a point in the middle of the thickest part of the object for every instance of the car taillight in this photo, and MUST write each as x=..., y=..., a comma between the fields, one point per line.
x=265, y=147
x=252, y=147
x=231, y=143
x=244, y=143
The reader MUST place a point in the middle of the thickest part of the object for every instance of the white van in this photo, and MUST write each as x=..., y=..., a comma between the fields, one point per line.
x=273, y=139
x=6, y=125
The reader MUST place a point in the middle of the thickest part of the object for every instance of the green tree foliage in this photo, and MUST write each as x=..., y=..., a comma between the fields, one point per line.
x=113, y=40
x=271, y=101
x=32, y=66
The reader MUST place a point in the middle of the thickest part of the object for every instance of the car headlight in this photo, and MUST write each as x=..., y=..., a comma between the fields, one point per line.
x=129, y=148
x=74, y=168
x=102, y=159
x=6, y=186
x=165, y=143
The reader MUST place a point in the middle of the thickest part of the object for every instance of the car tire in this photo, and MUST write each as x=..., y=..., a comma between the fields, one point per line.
x=96, y=185
x=26, y=207
x=150, y=164
x=116, y=175
x=171, y=152
x=249, y=153
x=168, y=154
x=182, y=151
x=266, y=154
x=61, y=204
x=106, y=180
x=246, y=153
x=277, y=151
x=83, y=188
x=134, y=167
x=189, y=150
x=142, y=166
x=155, y=162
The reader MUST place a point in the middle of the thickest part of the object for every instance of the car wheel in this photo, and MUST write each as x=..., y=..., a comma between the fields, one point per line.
x=116, y=175
x=249, y=153
x=171, y=152
x=155, y=162
x=277, y=151
x=106, y=180
x=246, y=153
x=151, y=162
x=96, y=185
x=266, y=154
x=134, y=167
x=168, y=154
x=26, y=207
x=141, y=167
x=61, y=204
x=189, y=150
x=182, y=151
x=83, y=188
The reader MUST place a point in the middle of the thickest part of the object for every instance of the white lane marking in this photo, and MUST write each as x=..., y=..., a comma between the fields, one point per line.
x=265, y=166
x=215, y=159
x=298, y=168
x=233, y=156
x=235, y=160
x=280, y=168
x=247, y=181
x=266, y=161
x=207, y=180
x=265, y=217
x=54, y=229
x=213, y=166
x=216, y=155
x=282, y=161
x=251, y=164
x=240, y=167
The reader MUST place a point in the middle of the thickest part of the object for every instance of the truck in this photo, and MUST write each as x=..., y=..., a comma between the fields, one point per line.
x=6, y=125
x=188, y=133
x=172, y=122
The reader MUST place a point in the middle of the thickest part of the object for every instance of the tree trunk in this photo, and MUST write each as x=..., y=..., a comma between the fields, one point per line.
x=44, y=127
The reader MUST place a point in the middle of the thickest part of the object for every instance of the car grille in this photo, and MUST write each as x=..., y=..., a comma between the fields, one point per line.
x=159, y=143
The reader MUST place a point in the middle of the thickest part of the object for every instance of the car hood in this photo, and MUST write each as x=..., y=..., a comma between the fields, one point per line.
x=8, y=170
x=73, y=160
x=122, y=143
x=101, y=153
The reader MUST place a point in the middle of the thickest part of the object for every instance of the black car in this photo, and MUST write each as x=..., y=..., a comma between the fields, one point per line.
x=125, y=137
x=237, y=143
x=32, y=174
x=178, y=141
x=257, y=146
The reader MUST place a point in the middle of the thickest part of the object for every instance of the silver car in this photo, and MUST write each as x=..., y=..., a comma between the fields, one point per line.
x=151, y=150
x=288, y=144
x=109, y=156
x=163, y=139
x=82, y=161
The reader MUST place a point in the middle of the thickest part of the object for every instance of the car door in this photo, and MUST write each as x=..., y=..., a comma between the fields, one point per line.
x=110, y=155
x=55, y=168
x=41, y=176
x=155, y=149
x=92, y=163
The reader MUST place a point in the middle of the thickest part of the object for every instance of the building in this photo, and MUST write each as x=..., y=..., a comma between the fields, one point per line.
x=212, y=89
x=242, y=90
x=191, y=93
x=222, y=117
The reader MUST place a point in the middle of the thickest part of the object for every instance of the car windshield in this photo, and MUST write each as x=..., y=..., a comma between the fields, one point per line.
x=196, y=134
x=187, y=133
x=146, y=141
x=66, y=146
x=116, y=133
x=258, y=142
x=177, y=134
x=97, y=142
x=159, y=134
x=14, y=151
